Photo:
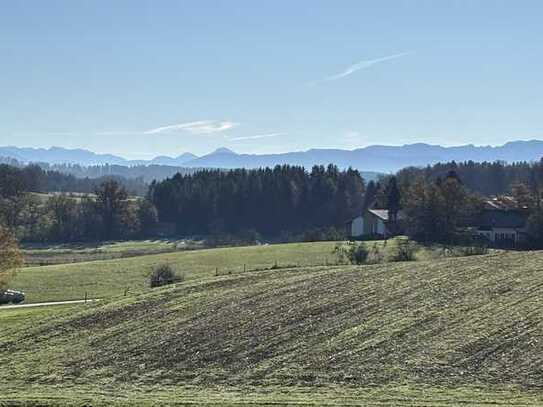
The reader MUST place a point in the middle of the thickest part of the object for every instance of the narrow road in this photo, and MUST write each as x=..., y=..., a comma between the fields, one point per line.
x=45, y=304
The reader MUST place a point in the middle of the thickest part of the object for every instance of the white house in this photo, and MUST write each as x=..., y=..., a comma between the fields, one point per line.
x=355, y=227
x=502, y=227
x=373, y=222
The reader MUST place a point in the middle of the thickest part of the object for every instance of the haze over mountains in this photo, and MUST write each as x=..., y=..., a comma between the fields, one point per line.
x=373, y=158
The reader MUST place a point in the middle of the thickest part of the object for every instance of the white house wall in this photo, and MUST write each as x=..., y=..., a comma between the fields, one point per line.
x=381, y=229
x=508, y=232
x=493, y=235
x=357, y=226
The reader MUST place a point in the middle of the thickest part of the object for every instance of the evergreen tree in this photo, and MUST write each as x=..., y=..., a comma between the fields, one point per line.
x=269, y=201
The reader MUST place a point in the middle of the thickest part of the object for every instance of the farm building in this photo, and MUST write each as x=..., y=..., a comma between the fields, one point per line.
x=502, y=222
x=502, y=227
x=377, y=223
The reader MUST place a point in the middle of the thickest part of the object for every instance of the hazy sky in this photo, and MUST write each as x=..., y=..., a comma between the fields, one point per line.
x=143, y=78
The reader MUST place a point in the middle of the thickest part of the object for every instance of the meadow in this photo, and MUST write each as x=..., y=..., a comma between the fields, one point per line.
x=129, y=272
x=113, y=278
x=450, y=331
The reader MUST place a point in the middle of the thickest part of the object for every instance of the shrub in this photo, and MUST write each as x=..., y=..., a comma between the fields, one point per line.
x=340, y=251
x=353, y=253
x=164, y=275
x=359, y=254
x=376, y=254
x=404, y=251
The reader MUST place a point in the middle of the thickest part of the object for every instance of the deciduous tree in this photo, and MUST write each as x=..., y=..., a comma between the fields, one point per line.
x=112, y=207
x=10, y=257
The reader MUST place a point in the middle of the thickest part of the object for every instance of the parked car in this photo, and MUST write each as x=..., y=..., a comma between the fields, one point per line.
x=11, y=296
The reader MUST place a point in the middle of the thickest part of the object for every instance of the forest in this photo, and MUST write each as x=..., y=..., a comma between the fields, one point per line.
x=283, y=203
x=285, y=199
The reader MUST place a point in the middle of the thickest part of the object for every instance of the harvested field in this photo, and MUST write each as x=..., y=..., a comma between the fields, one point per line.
x=443, y=332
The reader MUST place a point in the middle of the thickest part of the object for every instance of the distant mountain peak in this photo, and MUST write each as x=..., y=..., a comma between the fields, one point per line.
x=186, y=157
x=223, y=150
x=175, y=162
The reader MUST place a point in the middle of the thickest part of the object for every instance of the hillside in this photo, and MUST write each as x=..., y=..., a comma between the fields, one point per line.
x=457, y=331
x=110, y=278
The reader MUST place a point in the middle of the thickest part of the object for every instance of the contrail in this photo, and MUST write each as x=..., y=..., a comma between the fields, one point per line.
x=358, y=66
x=199, y=127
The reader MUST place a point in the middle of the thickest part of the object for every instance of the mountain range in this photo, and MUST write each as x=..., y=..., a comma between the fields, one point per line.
x=375, y=158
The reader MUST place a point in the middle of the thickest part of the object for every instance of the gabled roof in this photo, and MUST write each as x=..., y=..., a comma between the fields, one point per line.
x=503, y=202
x=380, y=213
x=383, y=214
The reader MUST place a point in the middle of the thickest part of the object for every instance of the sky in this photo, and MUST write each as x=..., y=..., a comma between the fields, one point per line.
x=146, y=78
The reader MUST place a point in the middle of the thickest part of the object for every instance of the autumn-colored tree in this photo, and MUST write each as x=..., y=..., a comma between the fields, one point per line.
x=10, y=257
x=436, y=211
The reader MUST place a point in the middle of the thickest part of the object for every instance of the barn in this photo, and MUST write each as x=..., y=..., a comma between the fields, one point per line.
x=374, y=223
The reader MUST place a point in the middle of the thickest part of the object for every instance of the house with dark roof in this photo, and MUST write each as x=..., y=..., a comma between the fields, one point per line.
x=503, y=227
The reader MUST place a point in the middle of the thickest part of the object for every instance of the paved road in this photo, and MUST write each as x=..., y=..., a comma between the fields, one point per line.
x=45, y=304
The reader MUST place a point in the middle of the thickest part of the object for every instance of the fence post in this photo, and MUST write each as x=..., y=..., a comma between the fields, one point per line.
x=85, y=297
x=245, y=268
x=217, y=271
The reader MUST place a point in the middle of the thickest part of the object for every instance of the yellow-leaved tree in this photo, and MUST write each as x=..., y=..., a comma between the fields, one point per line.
x=10, y=257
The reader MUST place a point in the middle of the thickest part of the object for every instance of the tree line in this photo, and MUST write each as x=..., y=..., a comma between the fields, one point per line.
x=271, y=201
x=140, y=175
x=108, y=213
x=278, y=202
x=485, y=178
x=16, y=178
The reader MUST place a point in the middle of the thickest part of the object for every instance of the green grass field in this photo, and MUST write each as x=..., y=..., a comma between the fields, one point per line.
x=111, y=278
x=457, y=331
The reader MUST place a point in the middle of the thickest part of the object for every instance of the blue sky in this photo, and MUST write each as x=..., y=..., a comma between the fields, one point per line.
x=146, y=78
